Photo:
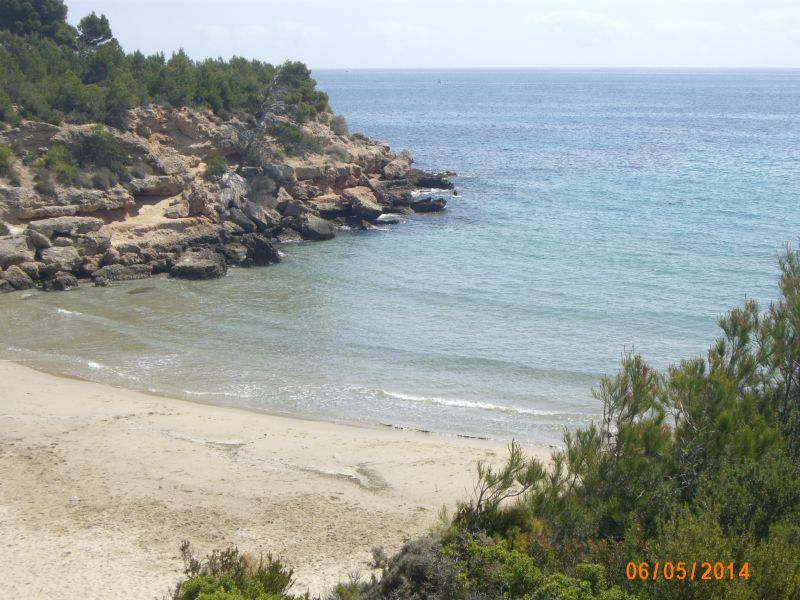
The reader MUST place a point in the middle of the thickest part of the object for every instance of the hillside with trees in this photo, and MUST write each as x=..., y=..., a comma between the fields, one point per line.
x=53, y=72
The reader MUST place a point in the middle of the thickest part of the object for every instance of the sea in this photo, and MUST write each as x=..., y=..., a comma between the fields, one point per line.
x=598, y=213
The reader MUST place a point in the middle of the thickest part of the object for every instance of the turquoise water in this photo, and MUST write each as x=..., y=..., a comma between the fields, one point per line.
x=598, y=212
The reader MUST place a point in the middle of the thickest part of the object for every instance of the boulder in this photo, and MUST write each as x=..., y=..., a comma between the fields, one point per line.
x=199, y=264
x=264, y=217
x=316, y=228
x=242, y=220
x=31, y=269
x=260, y=250
x=61, y=258
x=18, y=278
x=363, y=203
x=178, y=210
x=67, y=226
x=38, y=240
x=96, y=242
x=235, y=253
x=399, y=167
x=14, y=250
x=428, y=204
x=62, y=242
x=104, y=275
x=331, y=206
x=60, y=282
x=5, y=287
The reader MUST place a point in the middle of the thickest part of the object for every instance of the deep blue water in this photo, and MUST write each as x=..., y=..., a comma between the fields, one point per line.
x=598, y=212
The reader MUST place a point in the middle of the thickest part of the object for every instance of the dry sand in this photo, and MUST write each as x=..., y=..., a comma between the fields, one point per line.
x=99, y=485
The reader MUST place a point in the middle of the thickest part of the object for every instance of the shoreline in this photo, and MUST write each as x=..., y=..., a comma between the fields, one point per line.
x=103, y=483
x=191, y=399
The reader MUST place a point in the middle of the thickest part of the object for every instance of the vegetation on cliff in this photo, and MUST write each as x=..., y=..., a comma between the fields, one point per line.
x=50, y=71
x=700, y=464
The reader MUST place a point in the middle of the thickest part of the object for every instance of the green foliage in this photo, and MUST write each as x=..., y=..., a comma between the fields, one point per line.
x=43, y=182
x=215, y=168
x=94, y=31
x=7, y=165
x=45, y=18
x=230, y=575
x=339, y=125
x=61, y=163
x=4, y=229
x=52, y=72
x=294, y=140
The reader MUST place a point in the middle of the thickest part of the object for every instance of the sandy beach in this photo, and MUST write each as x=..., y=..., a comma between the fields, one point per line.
x=99, y=485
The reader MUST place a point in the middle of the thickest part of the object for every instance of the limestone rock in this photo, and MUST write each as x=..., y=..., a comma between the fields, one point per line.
x=38, y=240
x=363, y=203
x=61, y=258
x=96, y=242
x=66, y=226
x=13, y=251
x=18, y=278
x=121, y=273
x=156, y=185
x=199, y=264
x=317, y=229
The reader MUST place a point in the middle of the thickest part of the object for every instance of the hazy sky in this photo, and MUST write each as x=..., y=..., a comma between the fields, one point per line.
x=465, y=33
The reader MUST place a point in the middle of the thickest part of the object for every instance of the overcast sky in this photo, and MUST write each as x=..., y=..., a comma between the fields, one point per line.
x=464, y=33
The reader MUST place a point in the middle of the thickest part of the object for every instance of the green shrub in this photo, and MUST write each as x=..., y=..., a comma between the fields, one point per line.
x=230, y=575
x=4, y=229
x=294, y=140
x=43, y=182
x=59, y=161
x=215, y=168
x=338, y=152
x=339, y=125
x=6, y=161
x=104, y=179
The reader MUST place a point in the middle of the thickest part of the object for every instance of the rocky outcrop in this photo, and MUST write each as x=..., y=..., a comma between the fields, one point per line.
x=167, y=214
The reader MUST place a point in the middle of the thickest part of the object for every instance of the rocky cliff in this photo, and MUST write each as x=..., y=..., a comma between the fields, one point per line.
x=190, y=194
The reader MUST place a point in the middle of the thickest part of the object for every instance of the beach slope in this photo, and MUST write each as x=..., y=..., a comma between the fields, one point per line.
x=99, y=485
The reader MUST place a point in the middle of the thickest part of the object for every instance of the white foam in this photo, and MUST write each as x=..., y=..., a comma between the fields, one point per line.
x=64, y=311
x=94, y=365
x=458, y=403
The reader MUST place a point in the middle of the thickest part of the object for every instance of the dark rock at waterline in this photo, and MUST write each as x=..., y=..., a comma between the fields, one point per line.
x=428, y=204
x=109, y=273
x=260, y=251
x=60, y=282
x=315, y=228
x=428, y=179
x=5, y=287
x=18, y=278
x=199, y=264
